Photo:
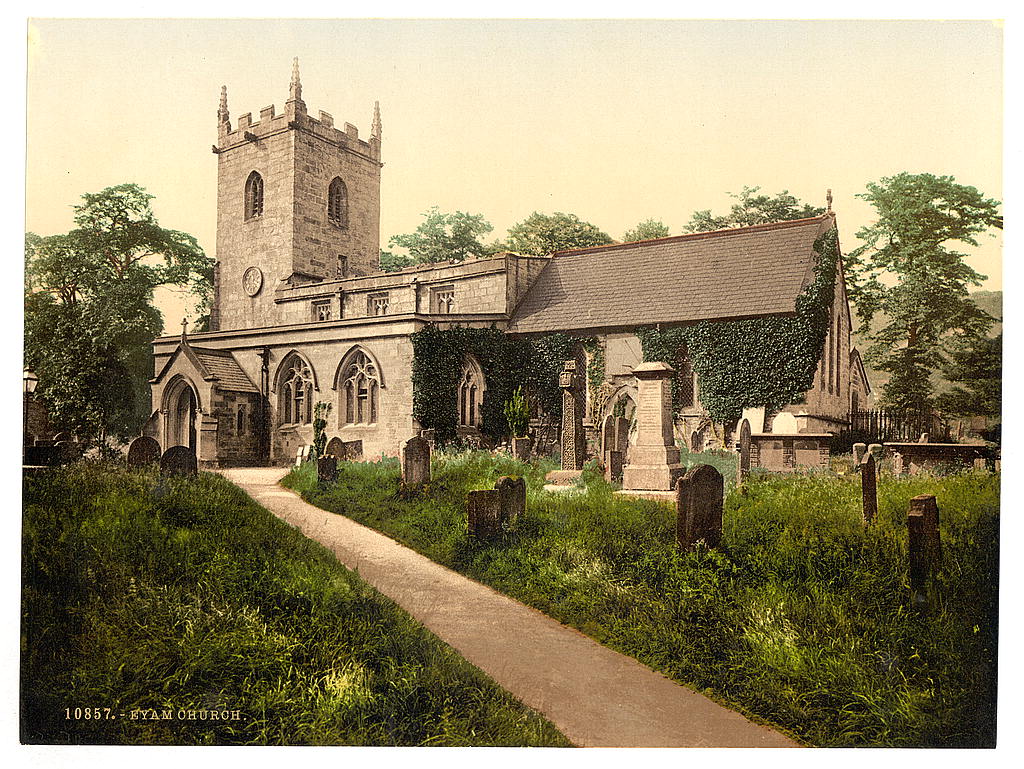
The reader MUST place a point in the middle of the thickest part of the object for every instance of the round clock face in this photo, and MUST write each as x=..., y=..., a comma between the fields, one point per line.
x=252, y=281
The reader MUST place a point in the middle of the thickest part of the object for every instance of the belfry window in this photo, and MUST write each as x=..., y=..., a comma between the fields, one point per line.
x=360, y=390
x=253, y=196
x=296, y=398
x=337, y=203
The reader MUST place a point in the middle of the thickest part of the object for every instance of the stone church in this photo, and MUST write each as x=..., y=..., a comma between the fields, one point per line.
x=302, y=313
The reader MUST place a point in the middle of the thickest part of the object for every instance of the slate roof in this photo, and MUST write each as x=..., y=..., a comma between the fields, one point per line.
x=216, y=365
x=734, y=273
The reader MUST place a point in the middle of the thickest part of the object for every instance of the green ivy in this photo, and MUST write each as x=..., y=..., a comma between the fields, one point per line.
x=756, y=362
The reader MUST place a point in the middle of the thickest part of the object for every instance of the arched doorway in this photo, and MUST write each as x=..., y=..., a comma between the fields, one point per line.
x=182, y=409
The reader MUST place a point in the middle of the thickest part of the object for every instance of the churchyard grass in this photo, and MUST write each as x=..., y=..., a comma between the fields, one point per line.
x=800, y=619
x=180, y=595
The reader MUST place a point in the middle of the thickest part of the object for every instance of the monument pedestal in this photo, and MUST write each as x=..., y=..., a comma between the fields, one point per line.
x=654, y=460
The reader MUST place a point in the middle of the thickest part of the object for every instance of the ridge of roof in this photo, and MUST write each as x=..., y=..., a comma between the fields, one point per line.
x=724, y=232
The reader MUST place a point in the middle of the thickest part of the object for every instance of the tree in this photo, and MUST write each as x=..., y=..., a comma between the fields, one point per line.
x=753, y=208
x=442, y=237
x=541, y=234
x=905, y=273
x=89, y=316
x=975, y=367
x=646, y=230
x=391, y=262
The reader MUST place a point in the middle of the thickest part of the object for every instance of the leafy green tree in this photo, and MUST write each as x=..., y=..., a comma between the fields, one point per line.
x=392, y=262
x=89, y=314
x=975, y=367
x=443, y=237
x=905, y=273
x=753, y=208
x=646, y=230
x=541, y=234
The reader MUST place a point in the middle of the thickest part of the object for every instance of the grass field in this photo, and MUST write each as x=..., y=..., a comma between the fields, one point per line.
x=801, y=618
x=183, y=596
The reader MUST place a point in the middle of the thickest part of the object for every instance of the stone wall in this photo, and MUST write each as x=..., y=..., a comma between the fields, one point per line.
x=234, y=446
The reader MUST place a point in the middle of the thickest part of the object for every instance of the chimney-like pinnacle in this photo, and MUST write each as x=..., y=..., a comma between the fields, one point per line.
x=295, y=87
x=828, y=199
x=222, y=111
x=375, y=129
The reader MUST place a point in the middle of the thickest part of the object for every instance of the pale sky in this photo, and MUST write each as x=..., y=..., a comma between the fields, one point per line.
x=615, y=121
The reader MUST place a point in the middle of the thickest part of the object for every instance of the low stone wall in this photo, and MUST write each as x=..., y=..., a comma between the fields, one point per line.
x=915, y=458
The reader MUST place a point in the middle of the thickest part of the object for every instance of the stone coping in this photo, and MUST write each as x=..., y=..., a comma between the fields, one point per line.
x=792, y=435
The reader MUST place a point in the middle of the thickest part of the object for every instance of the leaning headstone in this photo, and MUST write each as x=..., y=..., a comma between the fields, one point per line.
x=868, y=489
x=143, y=451
x=179, y=460
x=483, y=510
x=859, y=450
x=67, y=452
x=511, y=499
x=613, y=461
x=334, y=448
x=699, y=497
x=415, y=459
x=326, y=470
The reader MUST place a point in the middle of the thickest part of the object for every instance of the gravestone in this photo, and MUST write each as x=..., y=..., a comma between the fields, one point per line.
x=925, y=438
x=699, y=497
x=483, y=510
x=352, y=451
x=654, y=458
x=143, y=451
x=334, y=448
x=876, y=450
x=67, y=452
x=924, y=547
x=859, y=450
x=62, y=437
x=511, y=499
x=613, y=461
x=179, y=460
x=300, y=455
x=868, y=489
x=785, y=423
x=326, y=470
x=572, y=418
x=414, y=455
x=743, y=466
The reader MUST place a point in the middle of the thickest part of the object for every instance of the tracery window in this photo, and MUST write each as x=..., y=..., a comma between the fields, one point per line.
x=337, y=203
x=360, y=390
x=471, y=394
x=378, y=304
x=296, y=393
x=253, y=196
x=445, y=300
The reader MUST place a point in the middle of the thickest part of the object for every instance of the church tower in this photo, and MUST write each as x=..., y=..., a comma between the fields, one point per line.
x=298, y=202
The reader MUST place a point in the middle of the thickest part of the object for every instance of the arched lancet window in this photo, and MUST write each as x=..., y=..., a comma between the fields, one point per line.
x=337, y=203
x=360, y=390
x=296, y=392
x=253, y=195
x=471, y=394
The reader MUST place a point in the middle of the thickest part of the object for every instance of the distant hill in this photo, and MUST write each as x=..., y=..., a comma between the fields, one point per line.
x=989, y=301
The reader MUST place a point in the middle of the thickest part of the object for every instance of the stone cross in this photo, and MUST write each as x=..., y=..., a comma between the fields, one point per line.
x=699, y=497
x=572, y=418
x=415, y=459
x=143, y=451
x=869, y=489
x=654, y=459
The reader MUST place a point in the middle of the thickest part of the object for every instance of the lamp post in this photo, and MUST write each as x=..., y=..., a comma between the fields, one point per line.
x=29, y=382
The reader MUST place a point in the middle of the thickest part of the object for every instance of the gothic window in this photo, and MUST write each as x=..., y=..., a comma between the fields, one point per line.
x=377, y=304
x=342, y=266
x=253, y=196
x=471, y=394
x=322, y=310
x=360, y=390
x=296, y=393
x=240, y=421
x=444, y=300
x=337, y=203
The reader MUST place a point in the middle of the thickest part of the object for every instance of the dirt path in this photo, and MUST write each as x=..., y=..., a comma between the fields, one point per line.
x=595, y=696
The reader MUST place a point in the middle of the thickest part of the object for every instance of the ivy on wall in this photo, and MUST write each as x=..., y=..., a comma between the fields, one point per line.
x=756, y=362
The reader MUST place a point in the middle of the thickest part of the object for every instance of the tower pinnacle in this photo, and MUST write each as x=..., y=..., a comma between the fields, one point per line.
x=295, y=87
x=375, y=129
x=222, y=111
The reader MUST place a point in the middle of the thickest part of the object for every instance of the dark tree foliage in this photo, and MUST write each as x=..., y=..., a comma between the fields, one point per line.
x=89, y=314
x=753, y=208
x=646, y=230
x=905, y=273
x=391, y=262
x=443, y=237
x=975, y=368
